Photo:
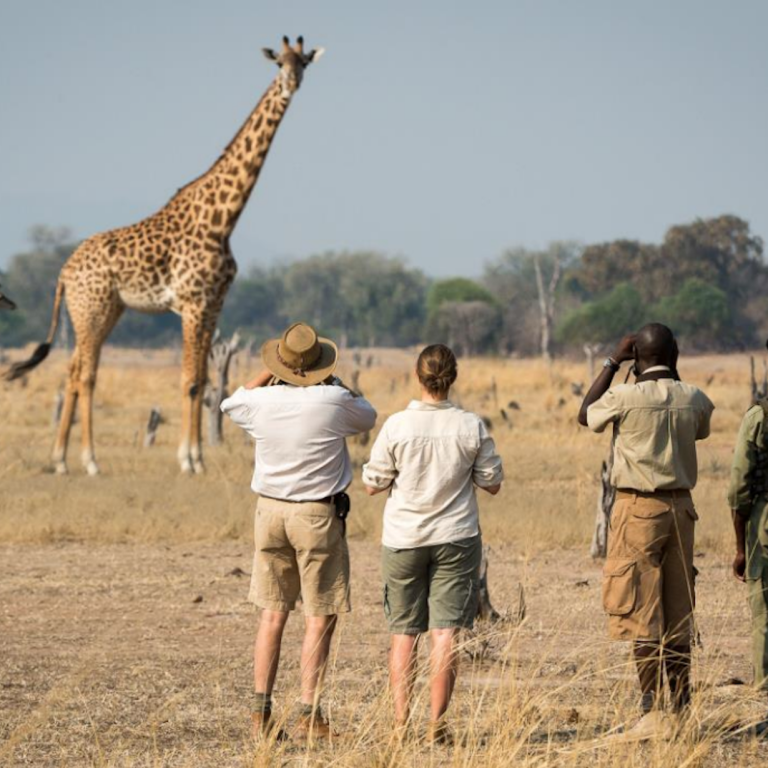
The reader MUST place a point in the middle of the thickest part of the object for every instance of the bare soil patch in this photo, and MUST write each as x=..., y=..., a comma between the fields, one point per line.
x=139, y=654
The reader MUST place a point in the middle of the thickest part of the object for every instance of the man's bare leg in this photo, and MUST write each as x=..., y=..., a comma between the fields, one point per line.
x=402, y=671
x=314, y=657
x=266, y=650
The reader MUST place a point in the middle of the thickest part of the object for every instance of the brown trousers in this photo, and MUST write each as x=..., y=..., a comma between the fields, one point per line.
x=648, y=584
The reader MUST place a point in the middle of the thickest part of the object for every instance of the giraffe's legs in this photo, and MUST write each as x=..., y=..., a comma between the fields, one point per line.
x=67, y=415
x=89, y=364
x=196, y=426
x=197, y=340
x=93, y=321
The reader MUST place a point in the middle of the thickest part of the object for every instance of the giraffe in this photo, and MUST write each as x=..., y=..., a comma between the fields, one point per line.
x=177, y=260
x=5, y=302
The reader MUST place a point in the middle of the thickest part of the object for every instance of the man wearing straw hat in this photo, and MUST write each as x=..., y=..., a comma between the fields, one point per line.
x=299, y=414
x=648, y=578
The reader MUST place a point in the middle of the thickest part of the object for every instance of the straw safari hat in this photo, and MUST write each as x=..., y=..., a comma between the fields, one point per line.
x=300, y=356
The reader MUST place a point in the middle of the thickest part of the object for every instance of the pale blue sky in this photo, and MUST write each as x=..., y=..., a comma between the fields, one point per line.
x=441, y=131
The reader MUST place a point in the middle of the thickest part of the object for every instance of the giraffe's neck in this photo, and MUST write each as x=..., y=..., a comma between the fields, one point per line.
x=220, y=195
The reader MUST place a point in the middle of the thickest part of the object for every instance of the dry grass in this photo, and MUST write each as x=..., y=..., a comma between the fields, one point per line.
x=106, y=661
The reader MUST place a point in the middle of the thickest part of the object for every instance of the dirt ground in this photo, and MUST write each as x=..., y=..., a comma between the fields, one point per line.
x=139, y=654
x=125, y=635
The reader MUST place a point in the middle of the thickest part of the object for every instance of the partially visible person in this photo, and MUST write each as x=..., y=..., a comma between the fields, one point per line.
x=748, y=500
x=299, y=415
x=648, y=582
x=429, y=458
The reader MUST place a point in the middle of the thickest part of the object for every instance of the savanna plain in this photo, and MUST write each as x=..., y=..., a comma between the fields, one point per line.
x=125, y=635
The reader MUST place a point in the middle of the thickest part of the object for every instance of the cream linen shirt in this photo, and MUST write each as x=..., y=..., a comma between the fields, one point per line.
x=657, y=424
x=301, y=451
x=429, y=456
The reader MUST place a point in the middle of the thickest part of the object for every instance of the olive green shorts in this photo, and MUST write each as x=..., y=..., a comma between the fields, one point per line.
x=433, y=587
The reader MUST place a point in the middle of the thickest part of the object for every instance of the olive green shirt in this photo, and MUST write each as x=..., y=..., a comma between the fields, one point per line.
x=657, y=424
x=751, y=504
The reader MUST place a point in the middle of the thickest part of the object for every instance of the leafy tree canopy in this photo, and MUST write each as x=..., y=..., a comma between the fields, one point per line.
x=605, y=320
x=707, y=279
x=699, y=313
x=456, y=289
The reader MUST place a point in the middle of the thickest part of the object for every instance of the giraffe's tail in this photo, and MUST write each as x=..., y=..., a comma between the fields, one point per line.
x=17, y=370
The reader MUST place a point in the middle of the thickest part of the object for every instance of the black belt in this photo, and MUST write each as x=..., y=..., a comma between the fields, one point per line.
x=673, y=493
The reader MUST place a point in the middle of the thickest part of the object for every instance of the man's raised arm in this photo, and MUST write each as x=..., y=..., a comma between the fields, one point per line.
x=625, y=351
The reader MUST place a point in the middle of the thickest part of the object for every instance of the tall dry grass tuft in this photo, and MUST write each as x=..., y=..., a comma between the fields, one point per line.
x=544, y=718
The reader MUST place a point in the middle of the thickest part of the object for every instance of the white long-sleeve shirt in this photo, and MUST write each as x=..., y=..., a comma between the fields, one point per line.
x=301, y=451
x=431, y=456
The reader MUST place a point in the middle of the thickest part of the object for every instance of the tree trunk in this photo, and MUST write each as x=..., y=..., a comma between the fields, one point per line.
x=546, y=304
x=58, y=404
x=220, y=358
x=590, y=350
x=758, y=392
x=155, y=420
x=599, y=547
x=484, y=608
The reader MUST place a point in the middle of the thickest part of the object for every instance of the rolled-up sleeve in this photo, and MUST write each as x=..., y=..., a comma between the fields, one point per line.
x=603, y=412
x=380, y=470
x=705, y=417
x=744, y=463
x=241, y=407
x=359, y=416
x=487, y=470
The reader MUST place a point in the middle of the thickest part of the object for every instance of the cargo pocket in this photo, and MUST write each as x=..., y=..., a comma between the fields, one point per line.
x=619, y=586
x=387, y=609
x=762, y=526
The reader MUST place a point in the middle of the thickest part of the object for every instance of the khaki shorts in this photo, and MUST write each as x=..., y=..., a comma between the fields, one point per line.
x=300, y=553
x=433, y=587
x=648, y=578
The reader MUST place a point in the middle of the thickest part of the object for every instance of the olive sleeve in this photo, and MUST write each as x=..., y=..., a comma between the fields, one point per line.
x=745, y=462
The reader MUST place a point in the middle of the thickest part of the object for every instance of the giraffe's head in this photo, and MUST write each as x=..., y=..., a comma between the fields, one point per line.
x=5, y=302
x=292, y=62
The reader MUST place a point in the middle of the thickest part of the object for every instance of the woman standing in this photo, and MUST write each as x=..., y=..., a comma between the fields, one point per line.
x=430, y=457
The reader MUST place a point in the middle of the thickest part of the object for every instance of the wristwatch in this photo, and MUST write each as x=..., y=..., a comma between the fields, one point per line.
x=609, y=362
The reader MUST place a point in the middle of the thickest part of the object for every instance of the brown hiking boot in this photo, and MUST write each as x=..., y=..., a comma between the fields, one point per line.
x=314, y=728
x=439, y=733
x=264, y=727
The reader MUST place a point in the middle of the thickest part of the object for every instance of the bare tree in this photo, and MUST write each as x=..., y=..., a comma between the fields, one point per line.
x=528, y=285
x=590, y=350
x=546, y=296
x=222, y=352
